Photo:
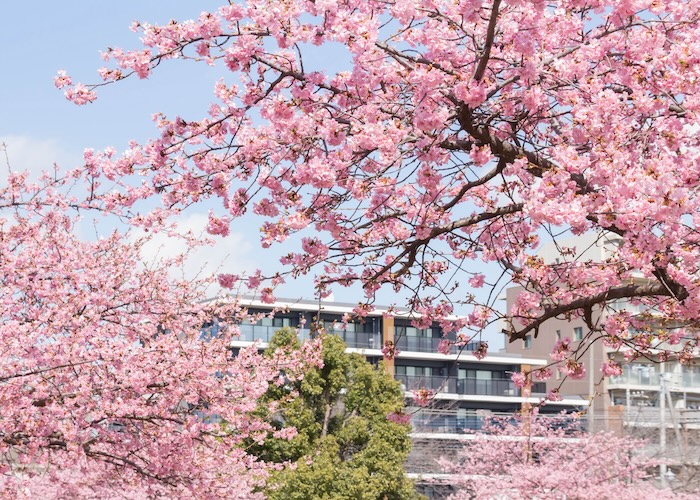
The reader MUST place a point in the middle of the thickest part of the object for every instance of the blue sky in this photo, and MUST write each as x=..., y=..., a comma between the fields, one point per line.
x=39, y=127
x=69, y=35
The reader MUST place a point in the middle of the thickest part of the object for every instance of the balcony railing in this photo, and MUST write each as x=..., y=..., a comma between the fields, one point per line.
x=451, y=425
x=250, y=333
x=493, y=387
x=417, y=344
x=651, y=379
x=690, y=380
x=429, y=344
x=629, y=377
x=464, y=386
x=359, y=340
x=458, y=424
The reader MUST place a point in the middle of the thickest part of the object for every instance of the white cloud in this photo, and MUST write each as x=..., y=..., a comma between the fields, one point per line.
x=35, y=155
x=232, y=254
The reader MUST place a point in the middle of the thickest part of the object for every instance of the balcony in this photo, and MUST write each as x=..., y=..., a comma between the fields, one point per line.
x=450, y=423
x=630, y=377
x=690, y=380
x=429, y=344
x=493, y=387
x=463, y=386
x=359, y=340
x=250, y=333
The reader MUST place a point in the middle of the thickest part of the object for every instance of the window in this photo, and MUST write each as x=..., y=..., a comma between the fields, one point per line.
x=480, y=374
x=527, y=341
x=578, y=333
x=337, y=326
x=277, y=322
x=415, y=371
x=558, y=334
x=411, y=331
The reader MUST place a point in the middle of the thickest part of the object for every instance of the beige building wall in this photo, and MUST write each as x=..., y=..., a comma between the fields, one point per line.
x=388, y=336
x=592, y=386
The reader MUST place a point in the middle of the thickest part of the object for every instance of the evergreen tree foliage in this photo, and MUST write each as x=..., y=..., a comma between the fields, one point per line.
x=345, y=447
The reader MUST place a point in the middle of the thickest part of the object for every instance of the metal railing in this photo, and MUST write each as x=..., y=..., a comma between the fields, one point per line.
x=651, y=378
x=359, y=340
x=250, y=333
x=636, y=377
x=464, y=386
x=454, y=424
x=429, y=344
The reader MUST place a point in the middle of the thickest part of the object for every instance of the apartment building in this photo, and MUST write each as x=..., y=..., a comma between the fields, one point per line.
x=465, y=390
x=625, y=400
x=653, y=399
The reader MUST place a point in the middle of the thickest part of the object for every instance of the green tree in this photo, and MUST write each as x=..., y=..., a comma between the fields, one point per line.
x=345, y=447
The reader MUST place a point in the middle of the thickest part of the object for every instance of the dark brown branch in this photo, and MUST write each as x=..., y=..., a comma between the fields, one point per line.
x=411, y=248
x=621, y=292
x=490, y=33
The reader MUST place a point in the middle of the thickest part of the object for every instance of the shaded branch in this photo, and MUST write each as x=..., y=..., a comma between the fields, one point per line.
x=621, y=292
x=490, y=33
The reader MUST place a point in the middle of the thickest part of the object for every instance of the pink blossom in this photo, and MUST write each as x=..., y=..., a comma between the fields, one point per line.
x=399, y=418
x=477, y=281
x=218, y=225
x=519, y=379
x=561, y=350
x=389, y=351
x=554, y=395
x=444, y=346
x=79, y=94
x=481, y=350
x=427, y=165
x=542, y=374
x=537, y=456
x=573, y=369
x=675, y=338
x=228, y=280
x=266, y=295
x=254, y=281
x=611, y=368
x=422, y=397
x=287, y=433
x=62, y=80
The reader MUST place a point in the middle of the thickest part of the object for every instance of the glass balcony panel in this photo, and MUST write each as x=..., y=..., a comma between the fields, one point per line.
x=466, y=386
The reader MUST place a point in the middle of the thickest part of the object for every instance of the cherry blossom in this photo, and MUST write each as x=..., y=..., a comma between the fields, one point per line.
x=110, y=384
x=611, y=368
x=519, y=379
x=459, y=137
x=548, y=457
x=459, y=140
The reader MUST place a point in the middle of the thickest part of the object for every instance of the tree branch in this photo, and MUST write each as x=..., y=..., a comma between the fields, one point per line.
x=621, y=292
x=490, y=33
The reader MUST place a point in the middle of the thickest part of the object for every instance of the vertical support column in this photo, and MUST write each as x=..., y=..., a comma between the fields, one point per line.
x=590, y=413
x=527, y=390
x=662, y=426
x=388, y=340
x=525, y=411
